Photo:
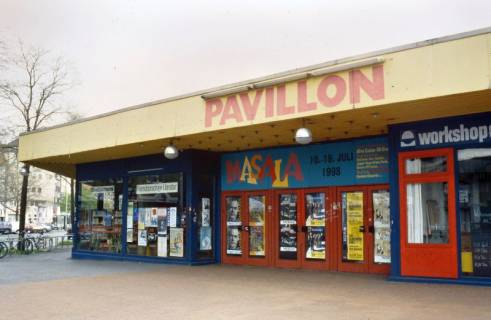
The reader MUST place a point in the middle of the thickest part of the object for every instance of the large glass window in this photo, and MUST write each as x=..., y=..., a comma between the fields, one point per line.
x=475, y=210
x=427, y=212
x=100, y=217
x=155, y=219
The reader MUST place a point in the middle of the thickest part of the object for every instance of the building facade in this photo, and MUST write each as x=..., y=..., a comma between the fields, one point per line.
x=395, y=180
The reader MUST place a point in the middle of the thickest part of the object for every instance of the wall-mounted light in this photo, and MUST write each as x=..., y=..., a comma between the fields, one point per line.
x=346, y=66
x=171, y=152
x=273, y=82
x=225, y=92
x=303, y=135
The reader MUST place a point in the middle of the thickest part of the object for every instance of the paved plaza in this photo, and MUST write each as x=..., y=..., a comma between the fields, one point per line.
x=53, y=286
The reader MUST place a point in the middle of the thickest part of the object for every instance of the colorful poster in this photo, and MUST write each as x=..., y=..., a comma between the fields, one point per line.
x=172, y=217
x=288, y=209
x=256, y=241
x=257, y=208
x=381, y=212
x=176, y=243
x=129, y=235
x=233, y=241
x=205, y=212
x=162, y=221
x=316, y=243
x=354, y=220
x=129, y=216
x=142, y=238
x=162, y=246
x=315, y=209
x=153, y=217
x=141, y=218
x=233, y=211
x=205, y=238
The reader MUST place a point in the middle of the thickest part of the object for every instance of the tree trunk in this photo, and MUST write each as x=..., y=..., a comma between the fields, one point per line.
x=23, y=198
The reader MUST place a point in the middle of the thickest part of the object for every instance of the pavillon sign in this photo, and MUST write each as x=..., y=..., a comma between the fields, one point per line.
x=331, y=91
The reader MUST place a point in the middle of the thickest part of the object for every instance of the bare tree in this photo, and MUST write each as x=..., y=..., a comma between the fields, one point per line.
x=31, y=90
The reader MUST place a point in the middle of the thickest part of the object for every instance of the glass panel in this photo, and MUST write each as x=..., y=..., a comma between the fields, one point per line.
x=100, y=215
x=426, y=165
x=288, y=226
x=427, y=213
x=155, y=224
x=234, y=225
x=352, y=222
x=257, y=209
x=381, y=225
x=315, y=221
x=206, y=188
x=475, y=211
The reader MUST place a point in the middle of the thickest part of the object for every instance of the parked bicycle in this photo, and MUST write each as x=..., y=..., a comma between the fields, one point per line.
x=18, y=244
x=42, y=242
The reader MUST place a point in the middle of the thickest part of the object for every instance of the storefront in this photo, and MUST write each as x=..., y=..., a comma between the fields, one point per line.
x=442, y=198
x=395, y=180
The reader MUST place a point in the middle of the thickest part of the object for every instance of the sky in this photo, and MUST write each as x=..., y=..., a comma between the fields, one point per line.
x=125, y=52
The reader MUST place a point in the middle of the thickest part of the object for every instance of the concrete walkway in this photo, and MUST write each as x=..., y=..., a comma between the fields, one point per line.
x=75, y=289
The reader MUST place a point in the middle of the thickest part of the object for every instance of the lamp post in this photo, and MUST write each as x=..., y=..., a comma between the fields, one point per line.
x=24, y=171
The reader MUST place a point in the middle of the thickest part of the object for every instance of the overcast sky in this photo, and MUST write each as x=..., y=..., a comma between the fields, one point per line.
x=131, y=52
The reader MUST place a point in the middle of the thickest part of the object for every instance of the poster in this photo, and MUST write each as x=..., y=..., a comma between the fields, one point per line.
x=172, y=217
x=148, y=212
x=233, y=211
x=288, y=209
x=381, y=212
x=142, y=238
x=257, y=208
x=256, y=241
x=316, y=243
x=162, y=246
x=153, y=217
x=129, y=216
x=288, y=239
x=354, y=220
x=315, y=210
x=176, y=243
x=141, y=218
x=162, y=221
x=205, y=212
x=129, y=235
x=205, y=238
x=233, y=241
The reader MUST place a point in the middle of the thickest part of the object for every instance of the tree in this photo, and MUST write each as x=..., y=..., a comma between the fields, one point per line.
x=30, y=90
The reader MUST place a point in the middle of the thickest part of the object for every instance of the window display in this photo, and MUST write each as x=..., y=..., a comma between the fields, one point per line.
x=234, y=225
x=100, y=217
x=315, y=221
x=154, y=211
x=475, y=210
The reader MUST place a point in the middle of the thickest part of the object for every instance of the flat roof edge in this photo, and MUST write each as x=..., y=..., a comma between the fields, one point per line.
x=409, y=46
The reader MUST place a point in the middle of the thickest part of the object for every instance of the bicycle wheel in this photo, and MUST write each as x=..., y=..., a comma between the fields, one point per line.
x=25, y=246
x=4, y=249
x=44, y=244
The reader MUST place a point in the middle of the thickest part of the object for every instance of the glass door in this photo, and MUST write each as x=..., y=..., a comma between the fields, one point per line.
x=286, y=228
x=256, y=228
x=379, y=229
x=233, y=237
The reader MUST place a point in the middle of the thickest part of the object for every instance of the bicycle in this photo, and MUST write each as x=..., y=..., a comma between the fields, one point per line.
x=18, y=244
x=42, y=242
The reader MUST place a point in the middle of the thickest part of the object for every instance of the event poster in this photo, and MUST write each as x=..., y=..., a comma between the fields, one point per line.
x=205, y=238
x=142, y=238
x=142, y=217
x=172, y=217
x=316, y=243
x=288, y=226
x=233, y=211
x=129, y=235
x=205, y=212
x=153, y=217
x=257, y=208
x=129, y=216
x=315, y=209
x=176, y=243
x=256, y=241
x=233, y=241
x=162, y=246
x=162, y=221
x=354, y=220
x=381, y=209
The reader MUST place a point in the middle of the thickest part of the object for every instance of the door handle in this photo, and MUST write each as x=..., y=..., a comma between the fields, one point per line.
x=246, y=228
x=362, y=229
x=371, y=229
x=304, y=229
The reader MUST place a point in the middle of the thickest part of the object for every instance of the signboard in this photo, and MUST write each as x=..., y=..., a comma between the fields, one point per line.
x=363, y=161
x=354, y=217
x=168, y=187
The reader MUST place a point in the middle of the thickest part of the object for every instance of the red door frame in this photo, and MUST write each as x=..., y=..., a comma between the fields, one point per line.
x=226, y=258
x=429, y=260
x=278, y=262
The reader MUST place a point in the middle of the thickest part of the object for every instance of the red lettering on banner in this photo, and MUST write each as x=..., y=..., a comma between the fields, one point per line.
x=267, y=169
x=213, y=108
x=231, y=110
x=293, y=168
x=374, y=89
x=233, y=171
x=269, y=102
x=250, y=109
x=282, y=108
x=340, y=85
x=303, y=105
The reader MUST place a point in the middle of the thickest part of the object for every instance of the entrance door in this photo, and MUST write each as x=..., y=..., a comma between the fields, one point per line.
x=246, y=224
x=363, y=229
x=427, y=206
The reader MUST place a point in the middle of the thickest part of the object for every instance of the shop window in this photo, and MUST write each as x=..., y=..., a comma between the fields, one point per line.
x=475, y=210
x=204, y=215
x=100, y=217
x=427, y=212
x=155, y=219
x=426, y=165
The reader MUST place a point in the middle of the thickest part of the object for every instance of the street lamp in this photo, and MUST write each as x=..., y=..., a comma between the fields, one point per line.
x=24, y=171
